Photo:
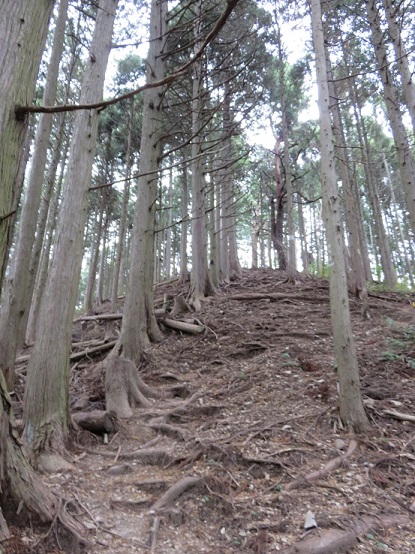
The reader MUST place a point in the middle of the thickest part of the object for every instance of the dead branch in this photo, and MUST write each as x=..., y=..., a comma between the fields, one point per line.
x=399, y=415
x=324, y=471
x=182, y=70
x=94, y=350
x=98, y=317
x=182, y=326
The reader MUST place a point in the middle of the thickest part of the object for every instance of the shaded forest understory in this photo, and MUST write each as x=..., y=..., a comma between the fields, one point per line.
x=246, y=437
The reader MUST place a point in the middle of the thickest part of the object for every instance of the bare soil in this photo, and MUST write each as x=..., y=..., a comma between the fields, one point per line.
x=224, y=463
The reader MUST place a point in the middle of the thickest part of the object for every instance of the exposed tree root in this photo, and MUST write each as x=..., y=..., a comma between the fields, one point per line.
x=151, y=456
x=28, y=490
x=97, y=421
x=122, y=387
x=335, y=540
x=323, y=472
x=274, y=297
x=4, y=530
x=167, y=429
x=166, y=501
x=176, y=490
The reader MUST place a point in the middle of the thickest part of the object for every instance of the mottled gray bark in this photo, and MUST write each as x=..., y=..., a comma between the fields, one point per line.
x=46, y=404
x=139, y=325
x=351, y=406
x=23, y=29
x=391, y=95
x=14, y=312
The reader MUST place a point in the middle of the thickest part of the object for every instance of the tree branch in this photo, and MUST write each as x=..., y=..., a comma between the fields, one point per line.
x=23, y=110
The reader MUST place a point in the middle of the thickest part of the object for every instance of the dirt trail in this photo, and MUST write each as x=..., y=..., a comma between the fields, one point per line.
x=227, y=465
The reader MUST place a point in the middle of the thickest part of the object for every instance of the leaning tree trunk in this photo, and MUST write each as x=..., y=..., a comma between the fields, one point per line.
x=351, y=406
x=46, y=405
x=139, y=324
x=13, y=315
x=23, y=29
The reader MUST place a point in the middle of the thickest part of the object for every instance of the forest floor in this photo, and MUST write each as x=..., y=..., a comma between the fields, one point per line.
x=252, y=440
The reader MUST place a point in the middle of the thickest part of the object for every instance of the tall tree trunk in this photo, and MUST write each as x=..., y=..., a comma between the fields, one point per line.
x=303, y=235
x=139, y=325
x=403, y=151
x=43, y=264
x=357, y=281
x=201, y=283
x=351, y=406
x=102, y=260
x=124, y=212
x=16, y=304
x=402, y=60
x=277, y=211
x=46, y=404
x=93, y=262
x=408, y=265
x=229, y=221
x=168, y=244
x=183, y=274
x=23, y=29
x=289, y=194
x=381, y=235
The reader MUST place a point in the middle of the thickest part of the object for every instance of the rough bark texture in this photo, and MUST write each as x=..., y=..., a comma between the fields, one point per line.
x=351, y=405
x=373, y=197
x=23, y=29
x=402, y=60
x=122, y=387
x=201, y=283
x=46, y=410
x=20, y=484
x=391, y=95
x=357, y=280
x=14, y=312
x=139, y=322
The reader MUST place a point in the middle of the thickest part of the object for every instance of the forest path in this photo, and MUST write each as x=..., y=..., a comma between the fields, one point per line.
x=265, y=416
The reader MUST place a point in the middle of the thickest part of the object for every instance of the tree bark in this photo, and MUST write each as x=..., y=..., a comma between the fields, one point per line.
x=17, y=299
x=139, y=323
x=403, y=151
x=201, y=284
x=23, y=30
x=46, y=404
x=351, y=406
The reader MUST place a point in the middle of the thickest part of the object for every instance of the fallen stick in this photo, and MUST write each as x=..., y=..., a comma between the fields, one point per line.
x=182, y=326
x=399, y=415
x=324, y=471
x=88, y=351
